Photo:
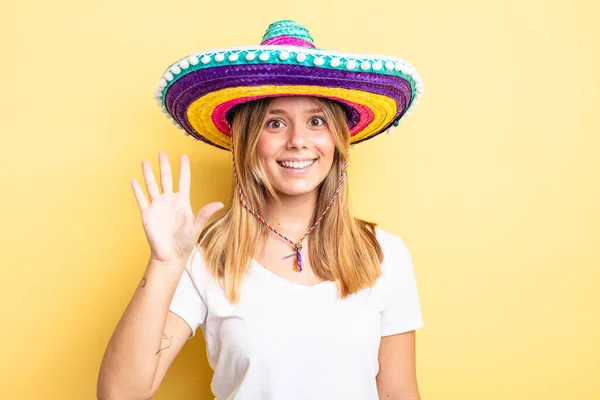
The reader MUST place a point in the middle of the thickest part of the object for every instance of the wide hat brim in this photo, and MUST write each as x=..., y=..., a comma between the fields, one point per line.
x=199, y=91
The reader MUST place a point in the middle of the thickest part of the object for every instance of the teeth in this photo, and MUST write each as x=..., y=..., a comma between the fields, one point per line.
x=297, y=164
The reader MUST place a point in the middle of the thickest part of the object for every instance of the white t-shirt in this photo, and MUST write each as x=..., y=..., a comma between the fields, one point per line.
x=287, y=341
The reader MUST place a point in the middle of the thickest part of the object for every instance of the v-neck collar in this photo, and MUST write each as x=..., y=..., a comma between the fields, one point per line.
x=258, y=267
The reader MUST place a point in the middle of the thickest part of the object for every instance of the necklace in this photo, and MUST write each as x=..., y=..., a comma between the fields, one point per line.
x=296, y=245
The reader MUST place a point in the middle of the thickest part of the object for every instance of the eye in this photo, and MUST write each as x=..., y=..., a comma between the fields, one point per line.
x=317, y=121
x=274, y=124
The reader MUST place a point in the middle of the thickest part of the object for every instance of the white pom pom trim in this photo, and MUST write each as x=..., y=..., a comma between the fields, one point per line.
x=374, y=62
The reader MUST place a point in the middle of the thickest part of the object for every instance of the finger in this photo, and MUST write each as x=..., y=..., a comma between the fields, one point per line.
x=166, y=178
x=204, y=215
x=139, y=195
x=184, y=176
x=150, y=180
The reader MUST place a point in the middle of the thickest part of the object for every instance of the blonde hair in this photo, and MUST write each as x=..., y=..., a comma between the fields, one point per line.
x=342, y=248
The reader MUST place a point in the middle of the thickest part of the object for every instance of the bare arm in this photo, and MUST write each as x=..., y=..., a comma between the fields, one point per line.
x=147, y=338
x=397, y=377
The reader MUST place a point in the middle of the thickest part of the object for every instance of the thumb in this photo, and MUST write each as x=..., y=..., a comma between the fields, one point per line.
x=204, y=214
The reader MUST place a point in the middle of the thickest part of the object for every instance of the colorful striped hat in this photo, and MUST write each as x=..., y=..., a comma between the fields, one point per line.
x=200, y=91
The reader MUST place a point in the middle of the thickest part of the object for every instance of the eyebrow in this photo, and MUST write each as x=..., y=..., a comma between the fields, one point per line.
x=311, y=111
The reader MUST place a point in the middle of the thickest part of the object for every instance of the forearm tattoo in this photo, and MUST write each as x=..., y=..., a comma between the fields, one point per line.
x=144, y=282
x=165, y=343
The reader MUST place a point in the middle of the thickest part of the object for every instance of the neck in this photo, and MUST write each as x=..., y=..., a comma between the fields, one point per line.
x=292, y=214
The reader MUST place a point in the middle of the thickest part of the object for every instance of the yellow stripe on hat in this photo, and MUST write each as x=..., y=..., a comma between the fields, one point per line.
x=199, y=113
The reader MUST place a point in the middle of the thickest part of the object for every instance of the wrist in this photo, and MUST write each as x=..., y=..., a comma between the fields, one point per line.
x=174, y=264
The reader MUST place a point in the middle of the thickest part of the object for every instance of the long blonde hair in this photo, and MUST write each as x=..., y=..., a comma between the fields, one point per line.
x=342, y=248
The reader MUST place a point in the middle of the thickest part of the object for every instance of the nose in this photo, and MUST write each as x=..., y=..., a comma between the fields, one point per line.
x=297, y=136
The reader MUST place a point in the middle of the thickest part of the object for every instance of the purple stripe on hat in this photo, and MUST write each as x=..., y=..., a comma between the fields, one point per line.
x=183, y=92
x=286, y=40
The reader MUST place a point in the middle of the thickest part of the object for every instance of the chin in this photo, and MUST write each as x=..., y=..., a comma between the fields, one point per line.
x=295, y=190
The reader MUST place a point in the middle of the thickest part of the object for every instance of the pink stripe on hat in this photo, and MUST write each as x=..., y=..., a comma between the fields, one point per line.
x=220, y=111
x=286, y=40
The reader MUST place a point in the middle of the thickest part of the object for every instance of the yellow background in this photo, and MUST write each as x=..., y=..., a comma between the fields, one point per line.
x=493, y=181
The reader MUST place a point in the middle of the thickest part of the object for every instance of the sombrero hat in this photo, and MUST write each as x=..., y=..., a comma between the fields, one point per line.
x=200, y=91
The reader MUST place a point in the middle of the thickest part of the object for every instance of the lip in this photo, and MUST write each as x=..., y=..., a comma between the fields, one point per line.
x=298, y=171
x=297, y=159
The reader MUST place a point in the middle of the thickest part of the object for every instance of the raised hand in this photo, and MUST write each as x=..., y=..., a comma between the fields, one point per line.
x=171, y=228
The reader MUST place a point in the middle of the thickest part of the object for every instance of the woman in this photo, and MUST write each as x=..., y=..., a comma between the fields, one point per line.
x=296, y=298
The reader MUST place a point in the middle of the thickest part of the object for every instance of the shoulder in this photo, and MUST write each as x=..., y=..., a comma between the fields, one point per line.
x=396, y=256
x=198, y=270
x=393, y=246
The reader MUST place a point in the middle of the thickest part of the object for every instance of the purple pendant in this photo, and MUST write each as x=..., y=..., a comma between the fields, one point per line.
x=299, y=261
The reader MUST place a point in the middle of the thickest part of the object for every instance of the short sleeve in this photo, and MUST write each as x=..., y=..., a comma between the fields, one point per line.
x=402, y=312
x=187, y=301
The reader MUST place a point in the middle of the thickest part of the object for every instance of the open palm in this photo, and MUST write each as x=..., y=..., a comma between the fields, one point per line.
x=171, y=227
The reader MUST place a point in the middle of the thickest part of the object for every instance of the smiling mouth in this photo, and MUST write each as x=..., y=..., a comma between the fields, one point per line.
x=297, y=164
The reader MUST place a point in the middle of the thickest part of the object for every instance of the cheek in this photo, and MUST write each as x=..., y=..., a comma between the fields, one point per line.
x=326, y=146
x=265, y=147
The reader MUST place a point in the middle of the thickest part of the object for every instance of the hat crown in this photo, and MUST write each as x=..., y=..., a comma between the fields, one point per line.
x=288, y=33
